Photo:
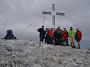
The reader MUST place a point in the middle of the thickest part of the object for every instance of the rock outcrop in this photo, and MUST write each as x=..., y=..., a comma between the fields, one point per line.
x=21, y=53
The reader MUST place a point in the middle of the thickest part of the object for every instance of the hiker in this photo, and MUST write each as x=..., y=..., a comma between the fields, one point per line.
x=52, y=30
x=78, y=37
x=71, y=36
x=9, y=35
x=65, y=37
x=49, y=36
x=42, y=33
x=52, y=35
x=46, y=36
x=58, y=36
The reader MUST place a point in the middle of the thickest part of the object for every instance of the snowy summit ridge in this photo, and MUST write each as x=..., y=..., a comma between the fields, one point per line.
x=23, y=53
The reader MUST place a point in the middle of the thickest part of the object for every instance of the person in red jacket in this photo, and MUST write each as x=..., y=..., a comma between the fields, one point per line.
x=51, y=35
x=78, y=37
x=65, y=37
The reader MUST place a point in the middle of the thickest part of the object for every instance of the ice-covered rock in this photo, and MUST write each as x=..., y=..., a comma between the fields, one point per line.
x=24, y=53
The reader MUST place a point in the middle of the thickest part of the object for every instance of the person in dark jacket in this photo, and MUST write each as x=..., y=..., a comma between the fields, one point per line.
x=42, y=33
x=65, y=37
x=47, y=39
x=58, y=36
x=78, y=37
x=9, y=35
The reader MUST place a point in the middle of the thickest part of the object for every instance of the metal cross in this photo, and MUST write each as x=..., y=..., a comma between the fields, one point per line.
x=53, y=13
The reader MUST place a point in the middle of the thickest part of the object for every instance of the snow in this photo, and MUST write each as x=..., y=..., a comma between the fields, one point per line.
x=24, y=53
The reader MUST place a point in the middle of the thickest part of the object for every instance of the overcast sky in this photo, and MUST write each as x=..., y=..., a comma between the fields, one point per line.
x=18, y=14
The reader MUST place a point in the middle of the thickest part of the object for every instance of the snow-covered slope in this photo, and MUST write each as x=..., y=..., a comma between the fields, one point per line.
x=23, y=53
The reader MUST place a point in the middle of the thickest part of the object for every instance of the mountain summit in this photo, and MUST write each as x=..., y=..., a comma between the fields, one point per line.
x=24, y=53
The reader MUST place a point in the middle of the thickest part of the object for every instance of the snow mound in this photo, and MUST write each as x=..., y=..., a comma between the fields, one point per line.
x=24, y=53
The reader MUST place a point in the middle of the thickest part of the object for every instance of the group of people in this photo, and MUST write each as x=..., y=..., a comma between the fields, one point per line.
x=55, y=36
x=60, y=37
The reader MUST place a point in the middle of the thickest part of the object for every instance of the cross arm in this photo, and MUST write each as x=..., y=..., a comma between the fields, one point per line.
x=61, y=14
x=46, y=12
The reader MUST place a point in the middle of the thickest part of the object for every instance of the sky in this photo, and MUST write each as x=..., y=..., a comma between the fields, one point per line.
x=19, y=14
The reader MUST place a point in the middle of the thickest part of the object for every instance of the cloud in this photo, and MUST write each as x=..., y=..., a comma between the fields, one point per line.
x=18, y=14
